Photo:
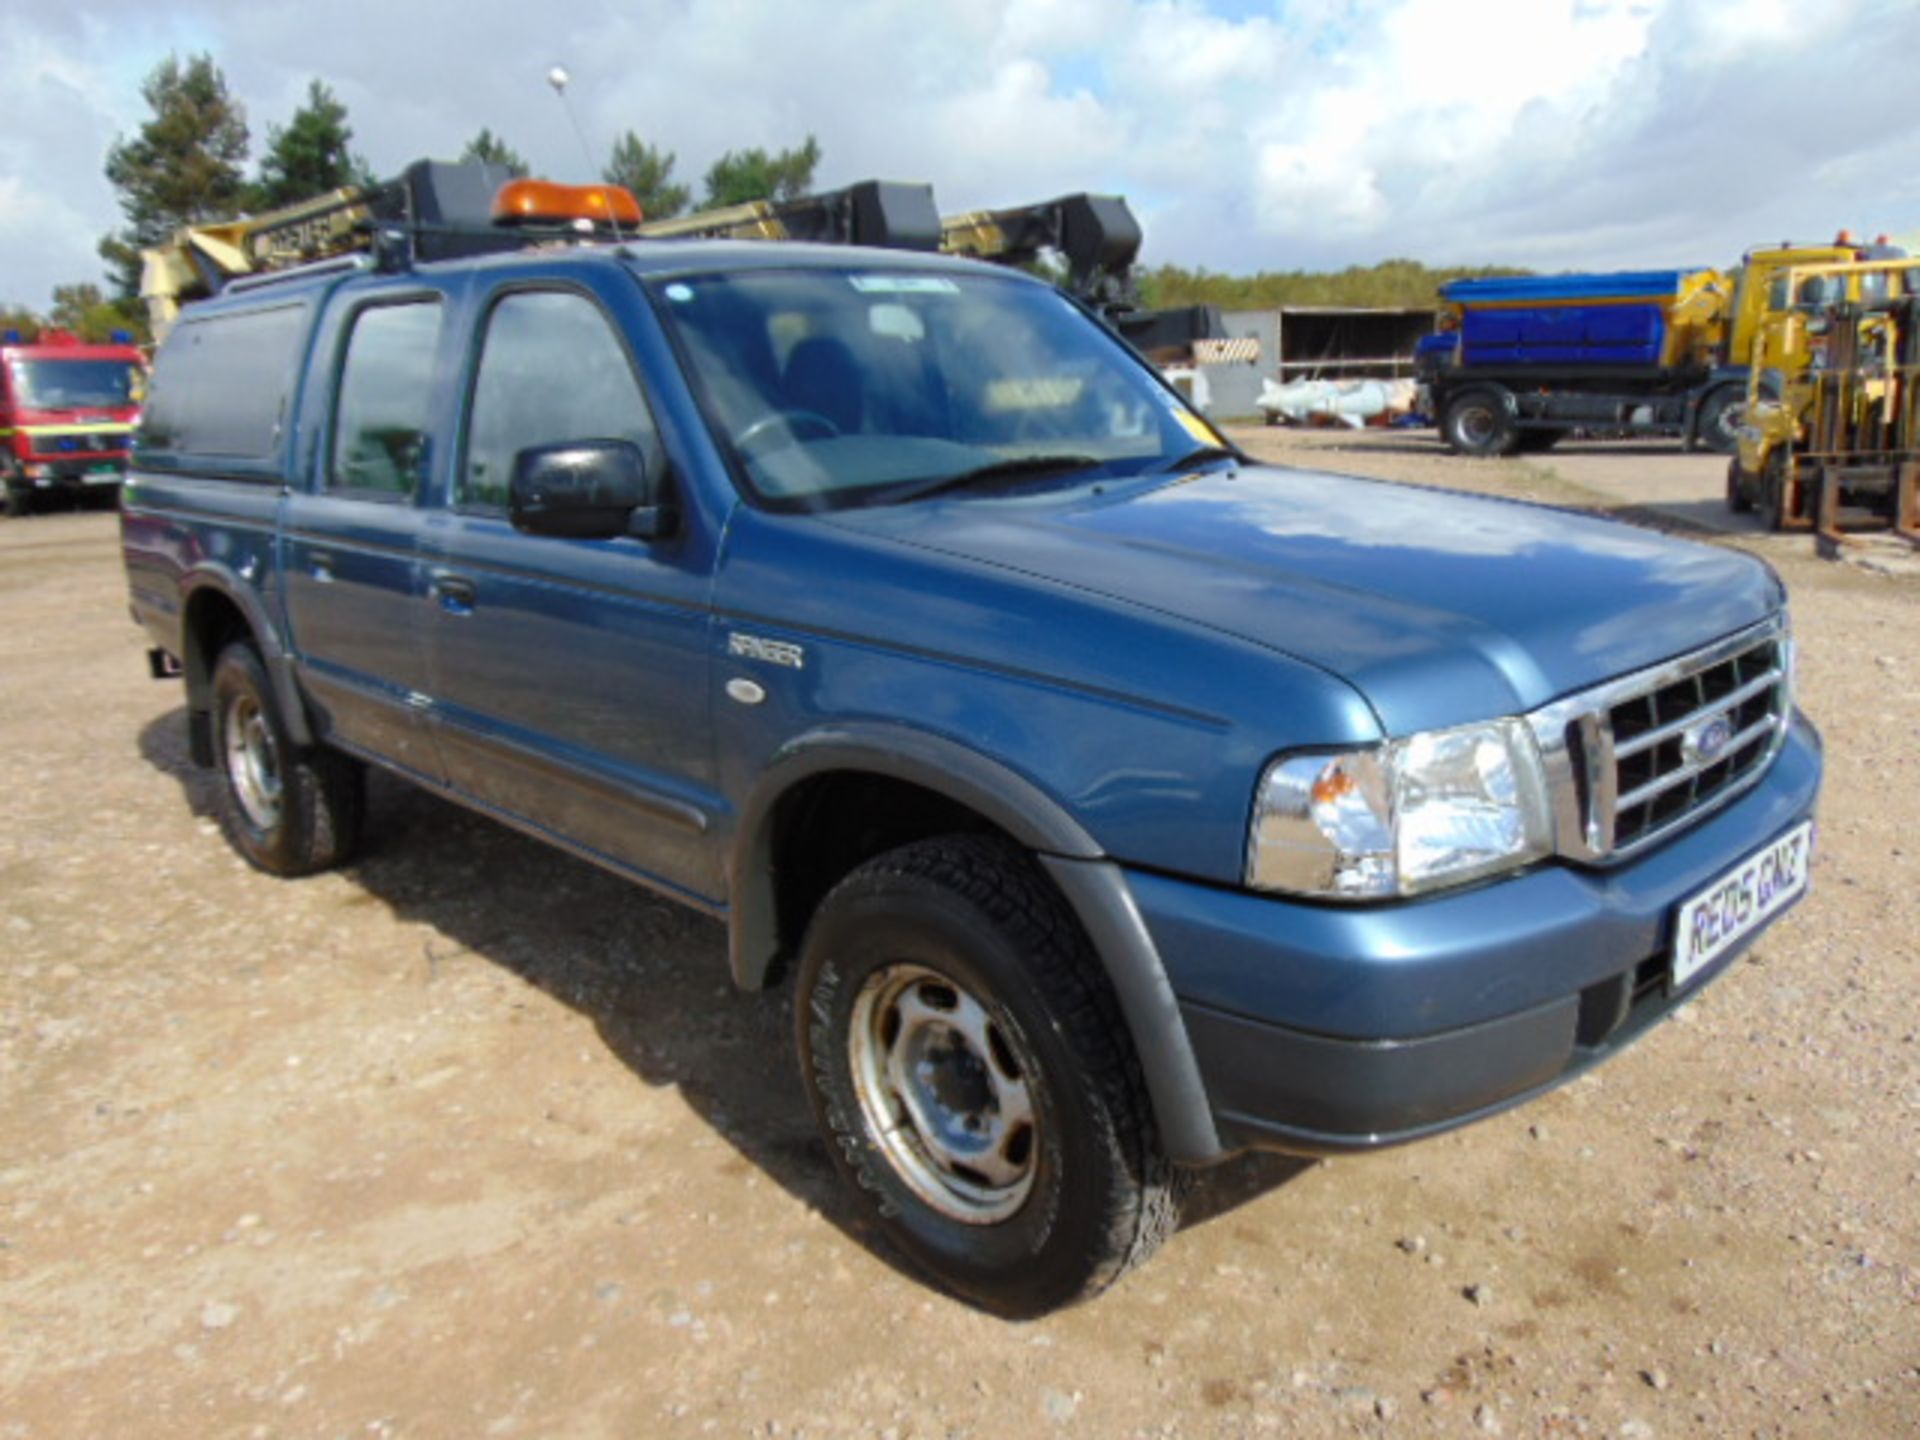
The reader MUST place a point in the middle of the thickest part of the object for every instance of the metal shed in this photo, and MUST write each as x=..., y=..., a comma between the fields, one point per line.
x=1317, y=342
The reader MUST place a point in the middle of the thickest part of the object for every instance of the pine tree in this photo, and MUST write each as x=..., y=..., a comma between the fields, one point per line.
x=739, y=176
x=490, y=149
x=648, y=173
x=310, y=156
x=182, y=168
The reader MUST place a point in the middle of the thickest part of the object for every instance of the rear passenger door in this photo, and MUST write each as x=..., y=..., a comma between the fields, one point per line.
x=355, y=585
x=569, y=677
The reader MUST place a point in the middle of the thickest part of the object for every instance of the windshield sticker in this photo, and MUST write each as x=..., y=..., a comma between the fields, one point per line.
x=1197, y=428
x=678, y=292
x=1042, y=392
x=902, y=285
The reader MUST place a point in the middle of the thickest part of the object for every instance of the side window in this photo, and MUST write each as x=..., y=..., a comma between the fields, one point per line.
x=219, y=388
x=551, y=370
x=380, y=415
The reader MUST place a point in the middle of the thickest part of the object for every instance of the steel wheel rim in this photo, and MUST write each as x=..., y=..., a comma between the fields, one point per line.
x=253, y=762
x=944, y=1085
x=1476, y=425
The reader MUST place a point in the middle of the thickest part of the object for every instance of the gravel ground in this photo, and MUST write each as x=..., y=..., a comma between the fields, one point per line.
x=471, y=1139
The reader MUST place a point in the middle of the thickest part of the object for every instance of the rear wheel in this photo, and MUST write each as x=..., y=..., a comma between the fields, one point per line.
x=967, y=1061
x=1477, y=423
x=287, y=810
x=1739, y=496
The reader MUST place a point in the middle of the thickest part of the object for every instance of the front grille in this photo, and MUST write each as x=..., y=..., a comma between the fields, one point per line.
x=1660, y=774
x=54, y=446
x=1640, y=757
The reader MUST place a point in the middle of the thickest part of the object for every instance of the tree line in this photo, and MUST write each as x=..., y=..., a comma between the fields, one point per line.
x=187, y=165
x=1390, y=284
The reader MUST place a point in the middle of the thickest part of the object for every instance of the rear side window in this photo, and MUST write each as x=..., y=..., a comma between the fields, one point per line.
x=220, y=385
x=380, y=417
x=552, y=370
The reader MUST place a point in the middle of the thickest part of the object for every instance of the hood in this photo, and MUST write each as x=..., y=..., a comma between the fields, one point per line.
x=1440, y=607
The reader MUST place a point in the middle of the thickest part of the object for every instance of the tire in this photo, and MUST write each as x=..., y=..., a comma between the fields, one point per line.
x=288, y=811
x=1477, y=423
x=1716, y=423
x=1739, y=498
x=18, y=501
x=1773, y=493
x=946, y=995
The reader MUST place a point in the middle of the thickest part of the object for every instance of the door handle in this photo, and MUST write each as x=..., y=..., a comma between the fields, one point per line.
x=456, y=593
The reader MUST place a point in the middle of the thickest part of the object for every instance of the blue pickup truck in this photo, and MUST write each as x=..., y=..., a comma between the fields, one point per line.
x=1114, y=804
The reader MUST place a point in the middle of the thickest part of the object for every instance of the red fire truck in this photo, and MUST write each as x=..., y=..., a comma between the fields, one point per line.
x=67, y=410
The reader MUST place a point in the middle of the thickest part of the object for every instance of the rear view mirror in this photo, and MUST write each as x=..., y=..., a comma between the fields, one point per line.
x=586, y=490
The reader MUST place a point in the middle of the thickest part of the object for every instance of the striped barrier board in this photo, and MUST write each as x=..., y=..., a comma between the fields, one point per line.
x=1237, y=350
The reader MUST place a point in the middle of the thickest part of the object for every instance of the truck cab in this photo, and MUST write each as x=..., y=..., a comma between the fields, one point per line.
x=67, y=410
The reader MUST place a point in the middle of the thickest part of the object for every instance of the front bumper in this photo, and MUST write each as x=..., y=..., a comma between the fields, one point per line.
x=1321, y=1029
x=43, y=473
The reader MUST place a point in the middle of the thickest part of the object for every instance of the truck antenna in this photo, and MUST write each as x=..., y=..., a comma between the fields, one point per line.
x=559, y=79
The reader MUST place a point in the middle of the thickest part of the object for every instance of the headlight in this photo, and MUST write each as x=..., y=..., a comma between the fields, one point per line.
x=1438, y=808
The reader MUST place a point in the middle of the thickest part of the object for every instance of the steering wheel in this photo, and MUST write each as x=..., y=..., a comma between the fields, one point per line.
x=825, y=429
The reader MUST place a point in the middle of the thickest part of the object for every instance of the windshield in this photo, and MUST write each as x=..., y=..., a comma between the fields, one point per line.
x=75, y=384
x=857, y=387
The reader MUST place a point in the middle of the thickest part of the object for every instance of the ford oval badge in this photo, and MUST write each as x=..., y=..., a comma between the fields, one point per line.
x=1705, y=741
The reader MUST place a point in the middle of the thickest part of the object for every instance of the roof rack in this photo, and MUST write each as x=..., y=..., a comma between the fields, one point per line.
x=439, y=211
x=299, y=272
x=886, y=213
x=432, y=211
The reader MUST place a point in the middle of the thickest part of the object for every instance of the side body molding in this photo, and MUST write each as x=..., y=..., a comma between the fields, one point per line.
x=1093, y=885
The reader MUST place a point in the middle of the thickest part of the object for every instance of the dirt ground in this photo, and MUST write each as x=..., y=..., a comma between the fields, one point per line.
x=471, y=1139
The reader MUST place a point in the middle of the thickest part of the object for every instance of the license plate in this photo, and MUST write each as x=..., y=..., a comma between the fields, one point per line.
x=102, y=474
x=1740, y=902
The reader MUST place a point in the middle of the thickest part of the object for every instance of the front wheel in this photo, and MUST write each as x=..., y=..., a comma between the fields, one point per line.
x=1773, y=499
x=1739, y=495
x=1478, y=424
x=968, y=1065
x=287, y=810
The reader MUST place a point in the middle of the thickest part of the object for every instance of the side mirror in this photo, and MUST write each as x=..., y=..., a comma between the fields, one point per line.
x=587, y=490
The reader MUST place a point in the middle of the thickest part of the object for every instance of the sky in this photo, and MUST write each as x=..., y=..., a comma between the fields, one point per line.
x=1247, y=134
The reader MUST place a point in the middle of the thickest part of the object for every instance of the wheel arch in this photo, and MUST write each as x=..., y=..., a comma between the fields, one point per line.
x=217, y=608
x=782, y=864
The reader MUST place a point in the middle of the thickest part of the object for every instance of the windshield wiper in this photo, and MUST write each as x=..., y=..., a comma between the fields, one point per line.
x=1199, y=455
x=985, y=475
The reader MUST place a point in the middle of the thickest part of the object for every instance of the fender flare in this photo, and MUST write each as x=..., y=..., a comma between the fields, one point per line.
x=1501, y=394
x=1093, y=885
x=221, y=578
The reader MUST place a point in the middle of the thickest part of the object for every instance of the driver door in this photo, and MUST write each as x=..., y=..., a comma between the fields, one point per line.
x=569, y=677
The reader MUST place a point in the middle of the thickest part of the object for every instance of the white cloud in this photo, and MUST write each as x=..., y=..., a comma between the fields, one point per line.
x=1558, y=133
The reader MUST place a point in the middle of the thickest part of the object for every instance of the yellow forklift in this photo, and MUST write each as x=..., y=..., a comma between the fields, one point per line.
x=1829, y=440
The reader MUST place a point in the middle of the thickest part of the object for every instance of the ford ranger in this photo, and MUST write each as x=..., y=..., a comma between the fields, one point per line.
x=1114, y=804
